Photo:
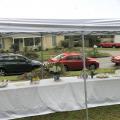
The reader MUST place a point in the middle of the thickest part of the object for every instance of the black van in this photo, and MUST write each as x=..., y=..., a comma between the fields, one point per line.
x=16, y=63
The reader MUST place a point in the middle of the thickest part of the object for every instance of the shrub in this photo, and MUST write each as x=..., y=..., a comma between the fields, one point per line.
x=35, y=73
x=31, y=55
x=2, y=51
x=65, y=43
x=57, y=48
x=51, y=66
x=39, y=48
x=77, y=44
x=25, y=49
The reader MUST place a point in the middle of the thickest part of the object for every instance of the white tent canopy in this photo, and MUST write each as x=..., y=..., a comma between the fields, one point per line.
x=61, y=25
x=58, y=25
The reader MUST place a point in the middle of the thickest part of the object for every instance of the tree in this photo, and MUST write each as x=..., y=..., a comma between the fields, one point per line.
x=93, y=40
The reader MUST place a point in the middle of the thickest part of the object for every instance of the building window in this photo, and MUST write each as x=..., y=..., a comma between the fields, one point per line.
x=28, y=41
x=67, y=37
x=37, y=40
x=53, y=40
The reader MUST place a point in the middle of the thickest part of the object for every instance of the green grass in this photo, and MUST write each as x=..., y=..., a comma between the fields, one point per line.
x=67, y=74
x=109, y=49
x=106, y=70
x=10, y=78
x=98, y=113
x=53, y=52
x=98, y=54
x=98, y=71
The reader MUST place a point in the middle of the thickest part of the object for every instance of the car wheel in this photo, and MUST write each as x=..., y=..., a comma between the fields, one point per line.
x=117, y=47
x=65, y=68
x=117, y=64
x=92, y=66
x=2, y=72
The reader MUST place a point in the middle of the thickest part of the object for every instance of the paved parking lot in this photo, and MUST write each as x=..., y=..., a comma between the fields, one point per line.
x=106, y=61
x=112, y=52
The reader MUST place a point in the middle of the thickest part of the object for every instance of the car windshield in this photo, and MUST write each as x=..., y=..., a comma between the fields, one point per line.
x=58, y=57
x=23, y=58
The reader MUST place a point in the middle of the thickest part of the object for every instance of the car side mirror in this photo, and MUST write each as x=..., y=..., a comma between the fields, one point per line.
x=60, y=59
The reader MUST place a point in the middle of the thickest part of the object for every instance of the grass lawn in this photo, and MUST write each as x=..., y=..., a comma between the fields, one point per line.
x=53, y=52
x=111, y=49
x=10, y=78
x=67, y=74
x=98, y=113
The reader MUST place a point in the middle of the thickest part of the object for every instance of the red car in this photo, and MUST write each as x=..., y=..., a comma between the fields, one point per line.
x=116, y=59
x=117, y=45
x=108, y=45
x=74, y=61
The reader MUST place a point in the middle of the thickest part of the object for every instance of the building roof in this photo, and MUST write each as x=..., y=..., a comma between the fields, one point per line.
x=20, y=35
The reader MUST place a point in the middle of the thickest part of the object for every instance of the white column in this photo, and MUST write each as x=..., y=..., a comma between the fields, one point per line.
x=34, y=42
x=1, y=43
x=13, y=41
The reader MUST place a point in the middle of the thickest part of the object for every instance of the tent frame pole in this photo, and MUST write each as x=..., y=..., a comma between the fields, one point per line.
x=42, y=55
x=84, y=74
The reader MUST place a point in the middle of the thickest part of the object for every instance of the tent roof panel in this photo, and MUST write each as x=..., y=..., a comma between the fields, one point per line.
x=58, y=25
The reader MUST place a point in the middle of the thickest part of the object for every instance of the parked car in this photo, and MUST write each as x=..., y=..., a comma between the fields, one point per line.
x=116, y=59
x=117, y=45
x=74, y=61
x=108, y=45
x=15, y=63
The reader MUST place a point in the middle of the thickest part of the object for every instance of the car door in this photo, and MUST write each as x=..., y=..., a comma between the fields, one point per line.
x=24, y=65
x=73, y=62
x=78, y=62
x=10, y=64
x=67, y=61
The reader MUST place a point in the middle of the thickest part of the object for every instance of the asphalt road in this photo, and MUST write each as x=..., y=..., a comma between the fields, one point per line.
x=106, y=61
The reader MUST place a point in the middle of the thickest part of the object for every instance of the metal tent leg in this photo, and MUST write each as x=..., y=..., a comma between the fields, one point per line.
x=84, y=75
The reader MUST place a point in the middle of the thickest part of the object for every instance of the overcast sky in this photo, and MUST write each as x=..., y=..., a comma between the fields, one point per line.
x=60, y=9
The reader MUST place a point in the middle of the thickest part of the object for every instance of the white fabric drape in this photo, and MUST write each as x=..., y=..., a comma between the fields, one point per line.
x=21, y=99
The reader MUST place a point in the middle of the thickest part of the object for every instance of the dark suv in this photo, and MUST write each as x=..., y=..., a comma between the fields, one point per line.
x=15, y=63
